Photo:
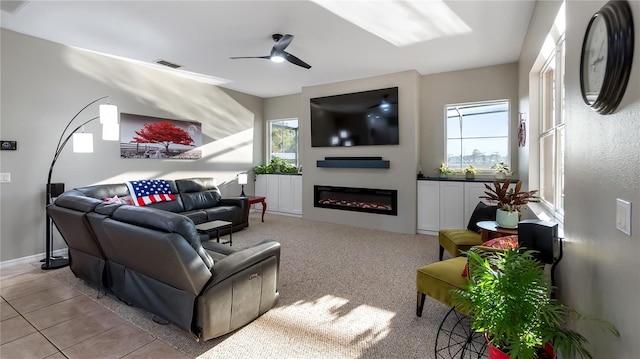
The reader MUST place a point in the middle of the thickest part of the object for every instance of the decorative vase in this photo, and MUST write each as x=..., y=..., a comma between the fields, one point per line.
x=469, y=175
x=506, y=219
x=443, y=175
x=501, y=175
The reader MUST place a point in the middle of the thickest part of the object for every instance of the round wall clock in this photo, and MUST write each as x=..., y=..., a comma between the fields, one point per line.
x=607, y=55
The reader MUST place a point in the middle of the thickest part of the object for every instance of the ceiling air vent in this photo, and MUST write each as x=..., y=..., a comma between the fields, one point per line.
x=168, y=64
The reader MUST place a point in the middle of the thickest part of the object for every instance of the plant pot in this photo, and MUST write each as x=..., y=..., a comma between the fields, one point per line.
x=443, y=175
x=469, y=175
x=501, y=175
x=506, y=219
x=495, y=353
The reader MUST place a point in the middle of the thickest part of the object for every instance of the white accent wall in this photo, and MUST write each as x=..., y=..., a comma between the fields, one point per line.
x=401, y=175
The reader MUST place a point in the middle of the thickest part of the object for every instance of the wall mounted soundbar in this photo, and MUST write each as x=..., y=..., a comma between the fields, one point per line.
x=353, y=162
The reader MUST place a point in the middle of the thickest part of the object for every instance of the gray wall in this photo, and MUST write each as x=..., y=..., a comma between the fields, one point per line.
x=424, y=134
x=44, y=84
x=600, y=272
x=481, y=84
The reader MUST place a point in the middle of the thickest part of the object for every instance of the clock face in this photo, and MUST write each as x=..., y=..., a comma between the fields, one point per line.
x=607, y=56
x=595, y=58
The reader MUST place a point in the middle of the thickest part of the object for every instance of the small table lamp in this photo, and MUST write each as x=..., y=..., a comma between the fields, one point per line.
x=242, y=180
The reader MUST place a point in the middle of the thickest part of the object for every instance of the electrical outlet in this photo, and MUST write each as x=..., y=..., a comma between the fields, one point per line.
x=623, y=216
x=5, y=177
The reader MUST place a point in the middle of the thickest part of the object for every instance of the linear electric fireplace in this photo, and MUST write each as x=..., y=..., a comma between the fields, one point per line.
x=381, y=201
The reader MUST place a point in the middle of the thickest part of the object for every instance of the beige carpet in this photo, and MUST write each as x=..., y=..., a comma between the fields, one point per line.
x=345, y=292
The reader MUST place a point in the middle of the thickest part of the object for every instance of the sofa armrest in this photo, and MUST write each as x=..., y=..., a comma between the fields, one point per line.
x=242, y=259
x=244, y=285
x=242, y=202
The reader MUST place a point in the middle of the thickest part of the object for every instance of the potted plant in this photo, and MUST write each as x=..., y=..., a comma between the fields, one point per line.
x=508, y=201
x=276, y=165
x=469, y=172
x=502, y=169
x=508, y=298
x=445, y=171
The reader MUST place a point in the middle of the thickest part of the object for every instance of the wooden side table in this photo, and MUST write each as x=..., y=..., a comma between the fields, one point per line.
x=258, y=199
x=490, y=230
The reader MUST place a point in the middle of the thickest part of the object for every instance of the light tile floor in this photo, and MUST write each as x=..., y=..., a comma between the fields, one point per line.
x=41, y=317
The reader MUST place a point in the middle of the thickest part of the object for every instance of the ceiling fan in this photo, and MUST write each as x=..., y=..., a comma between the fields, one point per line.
x=277, y=52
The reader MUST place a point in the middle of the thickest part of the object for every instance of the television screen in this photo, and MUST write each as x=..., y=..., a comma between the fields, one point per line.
x=366, y=118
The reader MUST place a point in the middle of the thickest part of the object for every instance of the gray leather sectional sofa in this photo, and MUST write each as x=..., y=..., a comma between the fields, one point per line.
x=152, y=257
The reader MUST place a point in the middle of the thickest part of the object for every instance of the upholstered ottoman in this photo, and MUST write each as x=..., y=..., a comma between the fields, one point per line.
x=438, y=279
x=456, y=240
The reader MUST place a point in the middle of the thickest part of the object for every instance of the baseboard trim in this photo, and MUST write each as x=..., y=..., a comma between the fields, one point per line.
x=33, y=258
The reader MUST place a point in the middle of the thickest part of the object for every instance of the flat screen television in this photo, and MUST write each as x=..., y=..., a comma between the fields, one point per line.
x=367, y=118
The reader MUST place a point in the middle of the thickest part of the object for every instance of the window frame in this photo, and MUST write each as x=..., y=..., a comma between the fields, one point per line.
x=268, y=135
x=554, y=131
x=508, y=136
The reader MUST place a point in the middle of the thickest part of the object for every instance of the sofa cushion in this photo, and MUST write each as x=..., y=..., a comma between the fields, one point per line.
x=174, y=206
x=197, y=216
x=163, y=221
x=224, y=213
x=104, y=190
x=438, y=279
x=198, y=193
x=77, y=202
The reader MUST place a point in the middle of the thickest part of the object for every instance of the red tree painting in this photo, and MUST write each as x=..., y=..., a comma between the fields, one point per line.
x=164, y=133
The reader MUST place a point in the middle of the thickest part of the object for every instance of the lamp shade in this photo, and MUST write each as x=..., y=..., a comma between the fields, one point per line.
x=82, y=142
x=242, y=178
x=109, y=115
x=110, y=132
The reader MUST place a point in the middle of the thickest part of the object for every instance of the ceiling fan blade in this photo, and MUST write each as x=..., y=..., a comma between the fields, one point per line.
x=294, y=60
x=250, y=57
x=282, y=43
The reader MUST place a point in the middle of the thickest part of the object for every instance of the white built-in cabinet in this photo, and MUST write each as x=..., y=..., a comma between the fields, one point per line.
x=472, y=193
x=446, y=204
x=428, y=206
x=283, y=193
x=452, y=205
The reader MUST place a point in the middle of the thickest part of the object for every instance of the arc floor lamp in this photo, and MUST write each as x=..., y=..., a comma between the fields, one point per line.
x=82, y=143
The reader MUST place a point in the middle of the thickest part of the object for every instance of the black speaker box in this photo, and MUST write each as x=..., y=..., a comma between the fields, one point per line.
x=539, y=235
x=56, y=189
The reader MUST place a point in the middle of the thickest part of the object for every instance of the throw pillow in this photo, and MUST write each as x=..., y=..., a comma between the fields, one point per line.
x=508, y=242
x=482, y=212
x=119, y=200
x=113, y=199
x=144, y=192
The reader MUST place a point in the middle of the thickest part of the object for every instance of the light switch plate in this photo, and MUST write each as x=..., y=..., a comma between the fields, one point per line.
x=623, y=216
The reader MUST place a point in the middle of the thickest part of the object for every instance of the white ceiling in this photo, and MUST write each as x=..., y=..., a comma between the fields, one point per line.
x=202, y=35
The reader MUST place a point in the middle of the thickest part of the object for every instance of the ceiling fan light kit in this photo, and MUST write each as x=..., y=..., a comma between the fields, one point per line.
x=277, y=52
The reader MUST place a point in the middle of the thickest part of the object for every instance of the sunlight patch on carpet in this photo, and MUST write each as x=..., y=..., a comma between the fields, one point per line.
x=328, y=327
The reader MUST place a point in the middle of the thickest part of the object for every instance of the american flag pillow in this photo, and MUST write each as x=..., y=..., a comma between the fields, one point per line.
x=145, y=192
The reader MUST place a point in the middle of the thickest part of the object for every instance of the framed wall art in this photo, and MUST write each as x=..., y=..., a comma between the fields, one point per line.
x=158, y=138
